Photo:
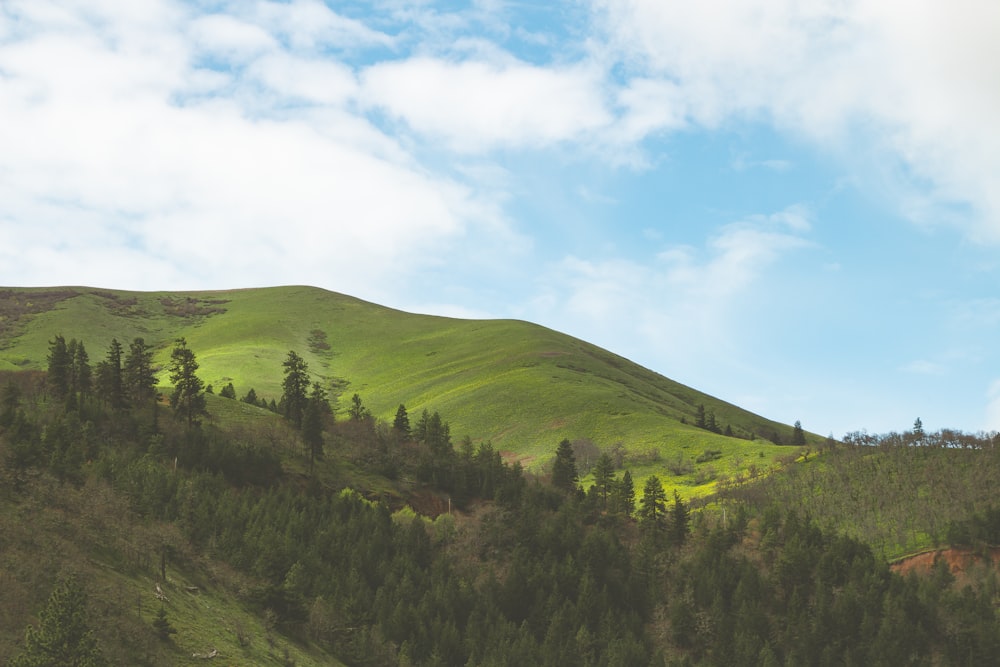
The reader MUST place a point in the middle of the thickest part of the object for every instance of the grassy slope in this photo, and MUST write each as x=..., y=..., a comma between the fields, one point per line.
x=57, y=529
x=520, y=385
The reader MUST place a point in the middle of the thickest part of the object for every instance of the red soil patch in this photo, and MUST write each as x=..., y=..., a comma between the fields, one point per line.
x=958, y=560
x=509, y=457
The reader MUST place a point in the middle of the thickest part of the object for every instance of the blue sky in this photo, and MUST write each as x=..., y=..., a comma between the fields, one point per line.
x=793, y=205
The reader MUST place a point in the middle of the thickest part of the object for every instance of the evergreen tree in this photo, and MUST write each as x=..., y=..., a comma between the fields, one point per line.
x=294, y=388
x=63, y=636
x=357, y=411
x=110, y=382
x=710, y=423
x=137, y=374
x=699, y=419
x=564, y=475
x=229, y=391
x=626, y=494
x=162, y=625
x=82, y=374
x=653, y=505
x=402, y=421
x=312, y=423
x=604, y=477
x=187, y=400
x=60, y=368
x=679, y=521
x=798, y=435
x=251, y=397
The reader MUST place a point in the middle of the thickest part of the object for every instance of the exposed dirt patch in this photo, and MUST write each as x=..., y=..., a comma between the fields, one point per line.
x=191, y=307
x=959, y=561
x=121, y=306
x=510, y=457
x=16, y=307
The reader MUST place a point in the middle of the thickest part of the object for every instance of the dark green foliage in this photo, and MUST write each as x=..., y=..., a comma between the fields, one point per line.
x=604, y=477
x=623, y=495
x=60, y=368
x=401, y=423
x=110, y=379
x=798, y=435
x=679, y=521
x=564, y=475
x=138, y=375
x=981, y=529
x=229, y=391
x=294, y=388
x=312, y=423
x=187, y=399
x=162, y=626
x=358, y=412
x=81, y=375
x=653, y=506
x=251, y=397
x=534, y=576
x=63, y=636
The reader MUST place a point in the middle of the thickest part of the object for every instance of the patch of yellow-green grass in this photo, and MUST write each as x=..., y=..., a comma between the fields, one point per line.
x=517, y=384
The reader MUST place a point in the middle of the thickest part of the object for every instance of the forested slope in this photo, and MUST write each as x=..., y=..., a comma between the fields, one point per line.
x=519, y=385
x=259, y=540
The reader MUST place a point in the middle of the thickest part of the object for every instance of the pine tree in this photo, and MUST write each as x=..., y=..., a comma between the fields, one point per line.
x=60, y=367
x=626, y=494
x=357, y=411
x=699, y=419
x=564, y=475
x=653, y=505
x=110, y=382
x=187, y=400
x=294, y=388
x=82, y=374
x=162, y=625
x=798, y=435
x=402, y=421
x=137, y=375
x=63, y=636
x=679, y=521
x=604, y=476
x=312, y=423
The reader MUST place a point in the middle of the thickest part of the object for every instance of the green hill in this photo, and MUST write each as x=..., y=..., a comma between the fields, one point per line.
x=520, y=385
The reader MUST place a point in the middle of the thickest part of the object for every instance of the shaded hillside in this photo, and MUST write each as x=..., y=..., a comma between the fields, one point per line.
x=520, y=385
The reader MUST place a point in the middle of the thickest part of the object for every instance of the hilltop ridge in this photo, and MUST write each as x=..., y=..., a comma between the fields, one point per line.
x=522, y=386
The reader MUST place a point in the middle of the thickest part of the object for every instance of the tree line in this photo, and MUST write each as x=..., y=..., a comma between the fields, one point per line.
x=548, y=573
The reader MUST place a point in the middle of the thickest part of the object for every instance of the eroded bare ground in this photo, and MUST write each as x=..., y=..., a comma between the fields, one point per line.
x=16, y=307
x=959, y=561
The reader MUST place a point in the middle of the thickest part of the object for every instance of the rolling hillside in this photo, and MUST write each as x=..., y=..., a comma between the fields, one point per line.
x=520, y=385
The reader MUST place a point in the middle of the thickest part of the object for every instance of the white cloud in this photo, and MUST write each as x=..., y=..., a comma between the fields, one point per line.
x=910, y=83
x=124, y=164
x=684, y=298
x=476, y=106
x=924, y=367
x=227, y=37
x=311, y=25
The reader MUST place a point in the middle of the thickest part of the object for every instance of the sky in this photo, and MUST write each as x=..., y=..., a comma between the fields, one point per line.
x=792, y=205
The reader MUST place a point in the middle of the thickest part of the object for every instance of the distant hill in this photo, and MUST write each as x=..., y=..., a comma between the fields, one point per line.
x=520, y=385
